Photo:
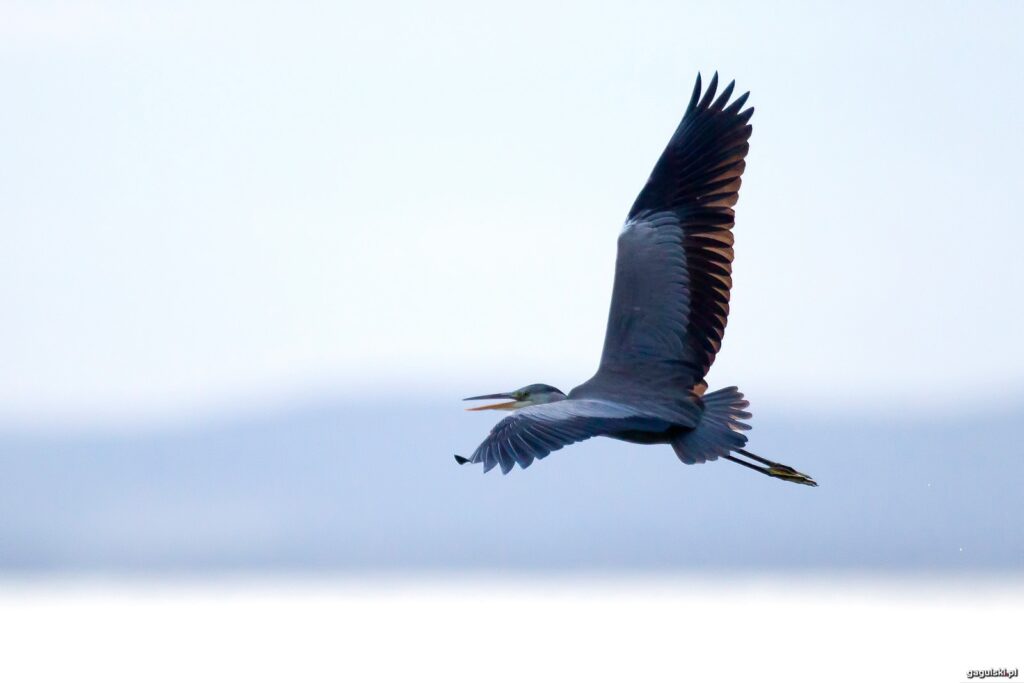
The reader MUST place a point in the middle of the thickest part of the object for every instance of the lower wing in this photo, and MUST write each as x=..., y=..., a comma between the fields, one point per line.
x=531, y=433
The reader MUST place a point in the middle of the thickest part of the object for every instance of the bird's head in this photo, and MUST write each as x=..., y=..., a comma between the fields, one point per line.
x=531, y=395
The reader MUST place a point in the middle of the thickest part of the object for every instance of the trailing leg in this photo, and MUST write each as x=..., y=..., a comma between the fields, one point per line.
x=772, y=469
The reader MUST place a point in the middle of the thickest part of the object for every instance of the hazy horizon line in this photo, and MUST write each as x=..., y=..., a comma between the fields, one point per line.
x=271, y=406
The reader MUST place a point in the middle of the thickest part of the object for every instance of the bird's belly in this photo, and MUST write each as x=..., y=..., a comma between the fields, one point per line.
x=637, y=436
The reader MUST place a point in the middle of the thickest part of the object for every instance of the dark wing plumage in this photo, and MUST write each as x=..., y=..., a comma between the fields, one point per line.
x=674, y=268
x=533, y=432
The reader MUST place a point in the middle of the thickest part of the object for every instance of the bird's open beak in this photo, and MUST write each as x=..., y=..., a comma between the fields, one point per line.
x=510, y=405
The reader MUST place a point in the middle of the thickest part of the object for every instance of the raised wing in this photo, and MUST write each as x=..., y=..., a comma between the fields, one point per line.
x=533, y=432
x=674, y=268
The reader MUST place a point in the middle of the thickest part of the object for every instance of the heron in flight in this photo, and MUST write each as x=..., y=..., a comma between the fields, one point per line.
x=669, y=307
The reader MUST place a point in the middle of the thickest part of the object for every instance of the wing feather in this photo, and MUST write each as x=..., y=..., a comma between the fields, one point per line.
x=673, y=275
x=532, y=433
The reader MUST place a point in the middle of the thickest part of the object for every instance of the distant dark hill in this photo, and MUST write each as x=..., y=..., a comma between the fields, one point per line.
x=344, y=487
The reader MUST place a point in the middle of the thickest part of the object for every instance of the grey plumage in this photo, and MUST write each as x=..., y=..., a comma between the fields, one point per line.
x=669, y=309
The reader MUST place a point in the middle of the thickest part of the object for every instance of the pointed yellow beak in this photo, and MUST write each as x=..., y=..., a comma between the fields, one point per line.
x=509, y=405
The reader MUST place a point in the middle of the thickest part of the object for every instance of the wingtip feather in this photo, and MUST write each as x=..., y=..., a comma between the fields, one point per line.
x=738, y=103
x=723, y=99
x=696, y=94
x=709, y=96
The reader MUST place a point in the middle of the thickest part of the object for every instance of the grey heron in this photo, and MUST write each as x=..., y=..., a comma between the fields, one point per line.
x=670, y=301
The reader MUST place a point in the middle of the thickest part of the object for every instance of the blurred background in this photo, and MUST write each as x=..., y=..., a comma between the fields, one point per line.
x=252, y=257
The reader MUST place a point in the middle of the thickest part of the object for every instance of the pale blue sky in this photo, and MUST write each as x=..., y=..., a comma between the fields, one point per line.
x=212, y=205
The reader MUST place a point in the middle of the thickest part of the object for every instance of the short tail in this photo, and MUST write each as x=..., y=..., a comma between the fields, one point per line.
x=719, y=430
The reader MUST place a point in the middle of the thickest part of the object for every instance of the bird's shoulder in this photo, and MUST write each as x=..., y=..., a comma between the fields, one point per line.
x=669, y=403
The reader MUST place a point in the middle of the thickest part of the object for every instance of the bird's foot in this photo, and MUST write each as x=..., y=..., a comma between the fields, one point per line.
x=772, y=468
x=787, y=473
